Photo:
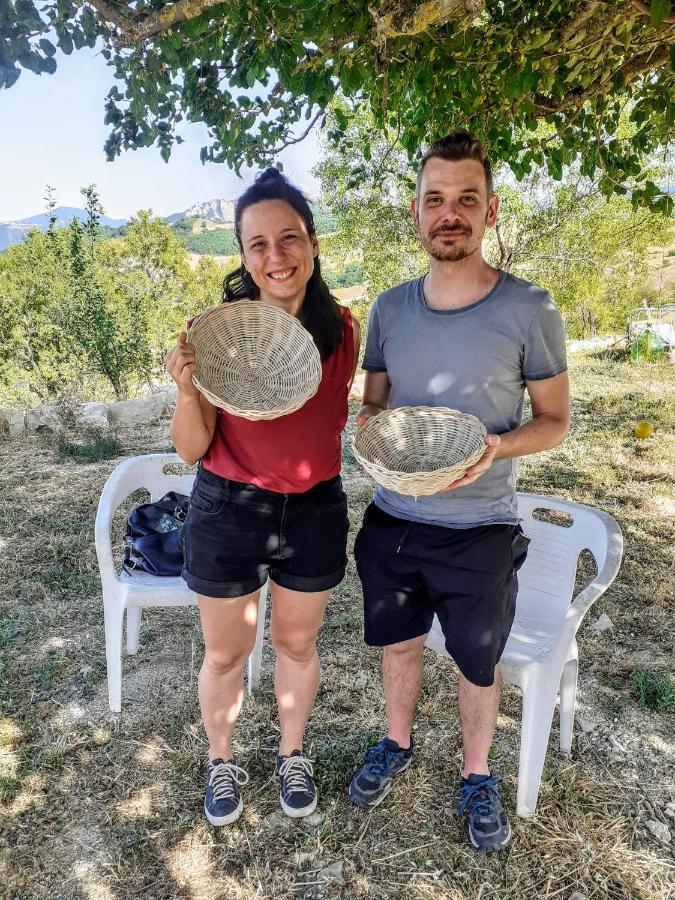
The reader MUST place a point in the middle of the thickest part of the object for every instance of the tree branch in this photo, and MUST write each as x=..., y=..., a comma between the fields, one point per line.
x=645, y=10
x=577, y=22
x=638, y=65
x=134, y=31
x=287, y=143
x=430, y=14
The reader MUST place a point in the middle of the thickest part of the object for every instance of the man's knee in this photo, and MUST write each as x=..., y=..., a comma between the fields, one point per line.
x=410, y=648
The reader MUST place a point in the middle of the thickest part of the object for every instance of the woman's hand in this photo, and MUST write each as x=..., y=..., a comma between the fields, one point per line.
x=180, y=364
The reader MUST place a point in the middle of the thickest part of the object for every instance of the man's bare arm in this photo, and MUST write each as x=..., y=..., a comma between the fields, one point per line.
x=375, y=396
x=548, y=428
x=550, y=419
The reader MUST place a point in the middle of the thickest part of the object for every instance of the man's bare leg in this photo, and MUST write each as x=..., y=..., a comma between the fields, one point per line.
x=402, y=678
x=478, y=710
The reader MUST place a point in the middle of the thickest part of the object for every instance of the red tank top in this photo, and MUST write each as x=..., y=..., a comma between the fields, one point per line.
x=290, y=454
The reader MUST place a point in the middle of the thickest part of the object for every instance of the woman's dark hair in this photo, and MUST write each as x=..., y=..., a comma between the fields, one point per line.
x=320, y=313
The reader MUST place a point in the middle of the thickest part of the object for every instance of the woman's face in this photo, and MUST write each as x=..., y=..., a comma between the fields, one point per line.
x=278, y=252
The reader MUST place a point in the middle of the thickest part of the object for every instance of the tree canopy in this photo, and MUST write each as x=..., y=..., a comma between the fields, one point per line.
x=261, y=76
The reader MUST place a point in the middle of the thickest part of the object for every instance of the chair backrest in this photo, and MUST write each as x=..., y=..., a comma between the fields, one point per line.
x=147, y=472
x=558, y=531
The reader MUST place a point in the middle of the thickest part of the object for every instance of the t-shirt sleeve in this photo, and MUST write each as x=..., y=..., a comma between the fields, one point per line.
x=545, y=354
x=373, y=359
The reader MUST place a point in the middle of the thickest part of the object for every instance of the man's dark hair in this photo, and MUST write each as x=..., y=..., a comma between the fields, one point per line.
x=320, y=313
x=459, y=144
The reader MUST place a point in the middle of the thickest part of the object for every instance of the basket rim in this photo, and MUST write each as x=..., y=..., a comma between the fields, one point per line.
x=232, y=307
x=419, y=473
x=229, y=310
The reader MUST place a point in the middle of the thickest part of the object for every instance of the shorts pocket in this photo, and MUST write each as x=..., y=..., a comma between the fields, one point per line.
x=209, y=499
x=519, y=547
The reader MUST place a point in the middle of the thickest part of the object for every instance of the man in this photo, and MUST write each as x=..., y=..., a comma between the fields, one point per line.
x=472, y=338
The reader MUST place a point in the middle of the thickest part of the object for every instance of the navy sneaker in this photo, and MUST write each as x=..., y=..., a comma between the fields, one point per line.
x=373, y=781
x=478, y=795
x=297, y=791
x=223, y=803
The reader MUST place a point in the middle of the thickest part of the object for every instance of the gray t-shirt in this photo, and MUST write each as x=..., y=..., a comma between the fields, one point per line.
x=475, y=359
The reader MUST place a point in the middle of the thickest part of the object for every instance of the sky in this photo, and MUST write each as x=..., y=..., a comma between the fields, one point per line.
x=52, y=132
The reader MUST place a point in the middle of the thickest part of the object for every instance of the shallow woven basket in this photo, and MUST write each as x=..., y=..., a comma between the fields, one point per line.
x=419, y=450
x=254, y=360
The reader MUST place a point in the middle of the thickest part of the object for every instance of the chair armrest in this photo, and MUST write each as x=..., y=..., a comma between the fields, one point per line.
x=129, y=476
x=586, y=598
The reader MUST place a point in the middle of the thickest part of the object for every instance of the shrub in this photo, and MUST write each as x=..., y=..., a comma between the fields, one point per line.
x=653, y=690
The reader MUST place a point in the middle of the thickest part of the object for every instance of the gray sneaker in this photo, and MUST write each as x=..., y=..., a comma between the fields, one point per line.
x=373, y=781
x=479, y=797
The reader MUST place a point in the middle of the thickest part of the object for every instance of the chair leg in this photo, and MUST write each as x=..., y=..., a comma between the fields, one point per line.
x=133, y=629
x=568, y=700
x=538, y=705
x=113, y=617
x=255, y=659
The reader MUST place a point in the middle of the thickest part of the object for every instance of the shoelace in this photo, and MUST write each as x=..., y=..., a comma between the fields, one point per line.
x=481, y=791
x=378, y=759
x=223, y=779
x=295, y=770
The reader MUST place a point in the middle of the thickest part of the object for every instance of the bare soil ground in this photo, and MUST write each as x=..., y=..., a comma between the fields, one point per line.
x=107, y=806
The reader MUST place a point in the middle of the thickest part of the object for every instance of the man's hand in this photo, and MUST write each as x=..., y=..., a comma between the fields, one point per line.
x=480, y=468
x=367, y=411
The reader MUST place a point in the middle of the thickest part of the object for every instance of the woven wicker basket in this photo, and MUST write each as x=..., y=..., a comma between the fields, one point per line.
x=419, y=450
x=254, y=360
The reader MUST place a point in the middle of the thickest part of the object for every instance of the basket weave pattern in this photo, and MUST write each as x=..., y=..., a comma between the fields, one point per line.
x=419, y=450
x=254, y=360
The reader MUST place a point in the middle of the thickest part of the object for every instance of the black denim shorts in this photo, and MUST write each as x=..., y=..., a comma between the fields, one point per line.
x=236, y=535
x=467, y=576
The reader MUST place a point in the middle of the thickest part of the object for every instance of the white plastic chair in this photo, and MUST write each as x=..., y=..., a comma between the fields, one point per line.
x=541, y=655
x=131, y=593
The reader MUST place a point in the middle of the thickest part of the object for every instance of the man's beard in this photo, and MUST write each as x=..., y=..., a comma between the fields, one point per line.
x=447, y=253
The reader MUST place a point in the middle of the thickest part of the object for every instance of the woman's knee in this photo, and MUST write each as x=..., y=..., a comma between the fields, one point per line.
x=296, y=646
x=223, y=660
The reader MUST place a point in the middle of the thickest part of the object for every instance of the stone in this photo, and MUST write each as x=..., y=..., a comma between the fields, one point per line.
x=12, y=422
x=604, y=623
x=585, y=724
x=139, y=412
x=45, y=415
x=91, y=415
x=332, y=874
x=578, y=895
x=360, y=682
x=660, y=831
x=315, y=819
x=277, y=820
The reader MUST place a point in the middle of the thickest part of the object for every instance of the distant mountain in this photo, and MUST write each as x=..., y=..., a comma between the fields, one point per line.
x=16, y=231
x=219, y=210
x=64, y=215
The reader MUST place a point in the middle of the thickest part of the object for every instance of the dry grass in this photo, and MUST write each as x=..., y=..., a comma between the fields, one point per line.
x=102, y=806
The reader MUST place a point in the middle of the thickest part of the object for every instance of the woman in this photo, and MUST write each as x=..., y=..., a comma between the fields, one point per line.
x=267, y=501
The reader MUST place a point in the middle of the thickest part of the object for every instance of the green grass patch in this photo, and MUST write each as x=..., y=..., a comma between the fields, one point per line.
x=653, y=690
x=92, y=448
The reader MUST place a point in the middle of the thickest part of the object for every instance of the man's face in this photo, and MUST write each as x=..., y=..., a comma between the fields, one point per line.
x=453, y=209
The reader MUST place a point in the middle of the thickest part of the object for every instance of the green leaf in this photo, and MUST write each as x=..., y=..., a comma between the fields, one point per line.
x=659, y=9
x=47, y=47
x=66, y=43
